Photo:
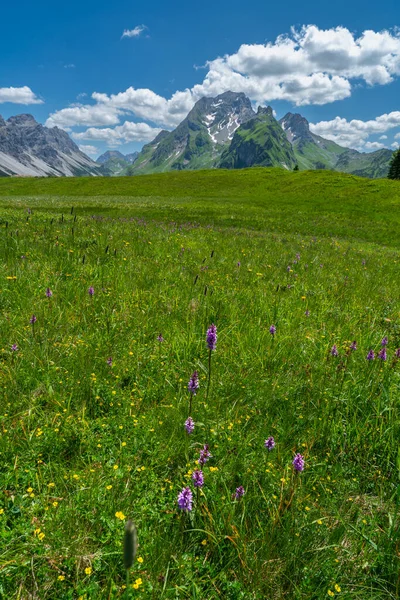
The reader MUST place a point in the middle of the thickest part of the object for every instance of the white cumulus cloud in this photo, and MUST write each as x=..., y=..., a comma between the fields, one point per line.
x=20, y=95
x=87, y=149
x=355, y=133
x=87, y=115
x=307, y=66
x=122, y=134
x=373, y=146
x=135, y=32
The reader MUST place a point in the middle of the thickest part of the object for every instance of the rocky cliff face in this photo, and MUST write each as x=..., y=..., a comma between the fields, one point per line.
x=197, y=142
x=259, y=142
x=28, y=148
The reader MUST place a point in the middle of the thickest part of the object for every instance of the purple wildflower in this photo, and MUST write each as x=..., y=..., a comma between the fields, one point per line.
x=382, y=354
x=189, y=425
x=91, y=291
x=32, y=320
x=193, y=384
x=49, y=293
x=205, y=454
x=272, y=330
x=160, y=338
x=238, y=264
x=334, y=350
x=198, y=478
x=270, y=443
x=185, y=499
x=288, y=269
x=384, y=341
x=397, y=353
x=211, y=337
x=363, y=262
x=298, y=256
x=109, y=361
x=371, y=355
x=239, y=492
x=307, y=313
x=353, y=346
x=14, y=348
x=298, y=462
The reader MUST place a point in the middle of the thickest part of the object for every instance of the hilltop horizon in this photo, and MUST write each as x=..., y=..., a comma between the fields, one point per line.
x=220, y=132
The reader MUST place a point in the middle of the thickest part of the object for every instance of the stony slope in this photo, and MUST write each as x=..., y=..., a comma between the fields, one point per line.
x=198, y=142
x=259, y=142
x=225, y=132
x=27, y=148
x=114, y=162
x=315, y=152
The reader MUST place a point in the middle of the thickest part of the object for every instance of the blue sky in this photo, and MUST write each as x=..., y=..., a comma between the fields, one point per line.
x=344, y=80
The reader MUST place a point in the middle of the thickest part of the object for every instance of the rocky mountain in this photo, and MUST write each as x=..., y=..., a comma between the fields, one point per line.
x=110, y=154
x=259, y=141
x=365, y=164
x=115, y=163
x=130, y=158
x=225, y=132
x=27, y=148
x=198, y=142
x=314, y=152
x=311, y=151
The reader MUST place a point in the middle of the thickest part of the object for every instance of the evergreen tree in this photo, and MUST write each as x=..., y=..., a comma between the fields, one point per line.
x=296, y=168
x=394, y=169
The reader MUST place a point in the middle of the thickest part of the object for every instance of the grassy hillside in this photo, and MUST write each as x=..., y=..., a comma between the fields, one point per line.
x=311, y=202
x=94, y=401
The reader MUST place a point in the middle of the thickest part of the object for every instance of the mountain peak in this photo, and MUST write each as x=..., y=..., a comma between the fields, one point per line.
x=30, y=149
x=295, y=127
x=24, y=120
x=108, y=155
x=221, y=116
x=265, y=110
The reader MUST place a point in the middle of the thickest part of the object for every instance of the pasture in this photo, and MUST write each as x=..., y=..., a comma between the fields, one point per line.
x=107, y=290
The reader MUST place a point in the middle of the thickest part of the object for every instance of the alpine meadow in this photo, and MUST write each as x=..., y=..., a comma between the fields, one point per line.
x=200, y=376
x=199, y=300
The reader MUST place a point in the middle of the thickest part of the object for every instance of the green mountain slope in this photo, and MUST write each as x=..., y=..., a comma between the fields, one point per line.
x=114, y=163
x=225, y=132
x=198, y=142
x=365, y=164
x=315, y=152
x=259, y=142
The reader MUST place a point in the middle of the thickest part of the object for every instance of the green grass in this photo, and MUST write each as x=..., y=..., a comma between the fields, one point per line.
x=308, y=203
x=82, y=441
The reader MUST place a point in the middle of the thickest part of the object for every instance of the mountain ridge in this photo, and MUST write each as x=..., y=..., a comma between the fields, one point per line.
x=219, y=132
x=225, y=132
x=27, y=148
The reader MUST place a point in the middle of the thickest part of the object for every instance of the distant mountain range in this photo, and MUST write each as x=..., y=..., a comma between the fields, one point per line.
x=225, y=132
x=30, y=149
x=222, y=132
x=115, y=163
